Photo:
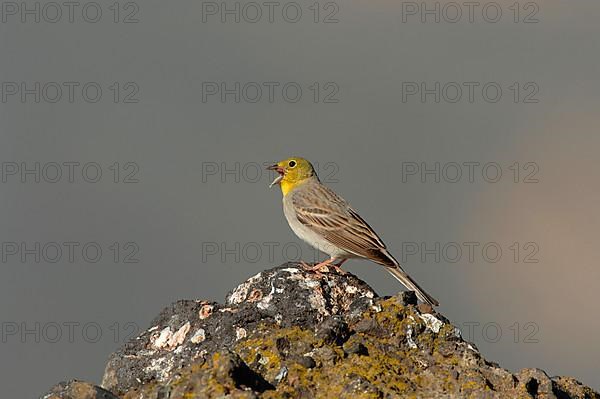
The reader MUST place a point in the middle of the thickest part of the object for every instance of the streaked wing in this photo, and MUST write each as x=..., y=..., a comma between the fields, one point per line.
x=323, y=211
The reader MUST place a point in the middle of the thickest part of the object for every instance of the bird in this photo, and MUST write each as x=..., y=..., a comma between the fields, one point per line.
x=324, y=220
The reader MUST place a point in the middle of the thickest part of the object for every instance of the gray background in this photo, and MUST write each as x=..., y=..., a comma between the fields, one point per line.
x=175, y=210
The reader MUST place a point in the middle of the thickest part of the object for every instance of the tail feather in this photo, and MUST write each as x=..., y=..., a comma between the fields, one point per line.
x=393, y=267
x=411, y=284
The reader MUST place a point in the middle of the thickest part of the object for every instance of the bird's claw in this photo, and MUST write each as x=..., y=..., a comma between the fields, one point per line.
x=322, y=267
x=338, y=269
x=314, y=269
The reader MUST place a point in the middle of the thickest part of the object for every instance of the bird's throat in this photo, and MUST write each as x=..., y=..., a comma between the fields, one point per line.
x=286, y=186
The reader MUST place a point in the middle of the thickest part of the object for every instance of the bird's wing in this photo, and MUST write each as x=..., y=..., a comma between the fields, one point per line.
x=323, y=211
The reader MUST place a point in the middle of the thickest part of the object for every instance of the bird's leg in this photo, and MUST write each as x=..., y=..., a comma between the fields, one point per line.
x=317, y=268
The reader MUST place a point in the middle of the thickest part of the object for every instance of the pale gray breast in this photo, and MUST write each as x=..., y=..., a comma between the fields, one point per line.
x=308, y=235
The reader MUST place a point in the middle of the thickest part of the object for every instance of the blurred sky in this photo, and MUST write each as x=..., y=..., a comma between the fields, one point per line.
x=195, y=162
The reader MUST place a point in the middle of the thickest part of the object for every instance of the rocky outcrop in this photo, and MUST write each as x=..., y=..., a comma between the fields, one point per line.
x=289, y=333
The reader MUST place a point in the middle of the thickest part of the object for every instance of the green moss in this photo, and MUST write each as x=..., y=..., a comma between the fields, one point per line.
x=391, y=368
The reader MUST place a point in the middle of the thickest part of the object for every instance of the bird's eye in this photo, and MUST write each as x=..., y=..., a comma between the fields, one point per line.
x=292, y=164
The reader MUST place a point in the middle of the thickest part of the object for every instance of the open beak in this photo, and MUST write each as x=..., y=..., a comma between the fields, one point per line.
x=279, y=170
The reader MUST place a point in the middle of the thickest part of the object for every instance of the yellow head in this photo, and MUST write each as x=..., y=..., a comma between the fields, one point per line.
x=292, y=172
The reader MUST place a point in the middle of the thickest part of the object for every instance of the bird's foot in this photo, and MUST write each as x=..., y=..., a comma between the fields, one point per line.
x=314, y=269
x=305, y=265
x=338, y=269
x=324, y=267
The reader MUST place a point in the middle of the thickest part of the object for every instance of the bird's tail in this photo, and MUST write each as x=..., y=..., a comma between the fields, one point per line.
x=409, y=283
x=394, y=268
